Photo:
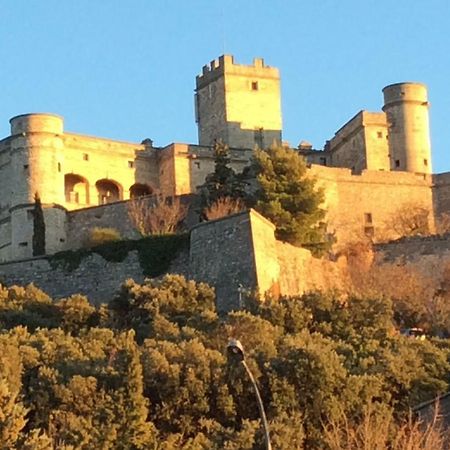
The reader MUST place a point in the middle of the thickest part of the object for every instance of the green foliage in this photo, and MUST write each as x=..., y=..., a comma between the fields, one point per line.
x=150, y=370
x=38, y=227
x=223, y=182
x=155, y=253
x=99, y=236
x=289, y=198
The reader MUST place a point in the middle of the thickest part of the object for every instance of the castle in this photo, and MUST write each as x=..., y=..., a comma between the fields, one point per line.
x=374, y=165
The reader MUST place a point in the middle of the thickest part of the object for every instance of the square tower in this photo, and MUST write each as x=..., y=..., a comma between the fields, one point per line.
x=238, y=104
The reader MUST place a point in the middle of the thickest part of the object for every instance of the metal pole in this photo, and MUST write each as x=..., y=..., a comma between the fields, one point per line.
x=260, y=407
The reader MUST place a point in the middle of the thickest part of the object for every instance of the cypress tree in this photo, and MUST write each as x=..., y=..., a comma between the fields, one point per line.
x=38, y=227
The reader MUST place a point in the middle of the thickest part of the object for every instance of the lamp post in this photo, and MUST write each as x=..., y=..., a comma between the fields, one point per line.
x=236, y=352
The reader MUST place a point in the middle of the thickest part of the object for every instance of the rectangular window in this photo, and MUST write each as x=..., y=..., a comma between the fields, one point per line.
x=59, y=167
x=369, y=231
x=85, y=157
x=379, y=134
x=23, y=244
x=425, y=162
x=130, y=164
x=368, y=218
x=397, y=163
x=259, y=138
x=255, y=86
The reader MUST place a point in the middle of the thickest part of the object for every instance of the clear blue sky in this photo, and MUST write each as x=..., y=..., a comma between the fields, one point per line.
x=126, y=69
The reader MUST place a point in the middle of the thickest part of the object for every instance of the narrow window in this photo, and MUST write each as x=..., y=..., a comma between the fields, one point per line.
x=255, y=86
x=85, y=157
x=130, y=164
x=59, y=167
x=259, y=138
x=425, y=162
x=23, y=244
x=379, y=134
x=397, y=163
x=368, y=218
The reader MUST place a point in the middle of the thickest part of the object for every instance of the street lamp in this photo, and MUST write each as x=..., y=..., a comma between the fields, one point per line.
x=235, y=352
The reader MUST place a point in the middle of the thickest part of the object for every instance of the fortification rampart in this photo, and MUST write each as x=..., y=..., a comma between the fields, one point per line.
x=441, y=195
x=95, y=277
x=234, y=254
x=368, y=204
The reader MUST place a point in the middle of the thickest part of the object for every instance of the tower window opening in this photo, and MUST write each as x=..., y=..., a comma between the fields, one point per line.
x=379, y=134
x=397, y=163
x=368, y=218
x=255, y=86
x=85, y=157
x=259, y=137
x=130, y=164
x=59, y=167
x=23, y=244
x=425, y=162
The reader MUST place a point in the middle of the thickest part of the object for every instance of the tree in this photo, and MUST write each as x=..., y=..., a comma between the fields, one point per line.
x=222, y=207
x=409, y=220
x=157, y=214
x=223, y=183
x=38, y=227
x=288, y=197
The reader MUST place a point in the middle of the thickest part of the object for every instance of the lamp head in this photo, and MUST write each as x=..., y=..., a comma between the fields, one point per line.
x=235, y=350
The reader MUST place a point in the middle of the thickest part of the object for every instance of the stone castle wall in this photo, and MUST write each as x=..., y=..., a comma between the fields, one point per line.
x=235, y=254
x=441, y=194
x=366, y=204
x=81, y=222
x=221, y=254
x=95, y=277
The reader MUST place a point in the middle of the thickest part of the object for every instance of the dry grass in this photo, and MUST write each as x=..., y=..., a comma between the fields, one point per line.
x=377, y=431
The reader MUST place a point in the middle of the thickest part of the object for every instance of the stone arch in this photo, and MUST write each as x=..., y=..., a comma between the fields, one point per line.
x=140, y=190
x=109, y=191
x=76, y=189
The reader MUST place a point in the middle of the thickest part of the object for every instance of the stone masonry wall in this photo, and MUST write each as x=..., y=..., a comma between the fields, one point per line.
x=82, y=221
x=221, y=254
x=95, y=277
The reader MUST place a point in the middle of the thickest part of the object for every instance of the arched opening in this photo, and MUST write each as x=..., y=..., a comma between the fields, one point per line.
x=108, y=191
x=140, y=190
x=76, y=189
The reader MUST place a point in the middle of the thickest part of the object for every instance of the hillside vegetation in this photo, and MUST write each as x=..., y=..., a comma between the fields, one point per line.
x=149, y=371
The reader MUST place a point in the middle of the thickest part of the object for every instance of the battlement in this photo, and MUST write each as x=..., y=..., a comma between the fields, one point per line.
x=225, y=65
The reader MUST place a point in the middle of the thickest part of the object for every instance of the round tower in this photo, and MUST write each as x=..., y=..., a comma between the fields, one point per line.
x=406, y=108
x=37, y=159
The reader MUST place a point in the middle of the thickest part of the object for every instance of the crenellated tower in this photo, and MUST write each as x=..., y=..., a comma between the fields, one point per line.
x=238, y=104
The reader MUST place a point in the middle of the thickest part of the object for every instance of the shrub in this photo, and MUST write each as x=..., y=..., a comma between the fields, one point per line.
x=99, y=235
